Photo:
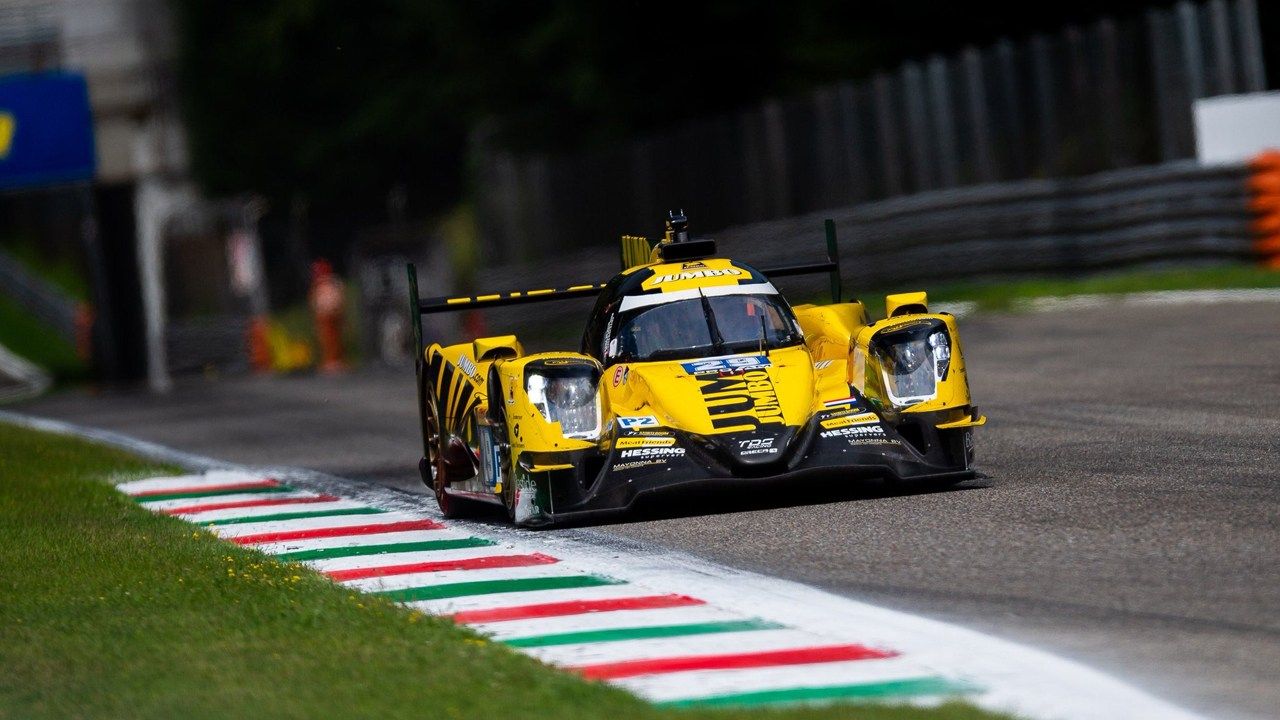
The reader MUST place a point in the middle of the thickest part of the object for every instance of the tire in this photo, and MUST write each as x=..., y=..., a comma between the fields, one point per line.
x=432, y=466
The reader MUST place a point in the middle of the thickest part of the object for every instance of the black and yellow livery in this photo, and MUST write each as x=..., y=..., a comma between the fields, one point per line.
x=693, y=371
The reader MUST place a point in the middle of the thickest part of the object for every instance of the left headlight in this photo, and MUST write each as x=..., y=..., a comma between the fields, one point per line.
x=567, y=394
x=913, y=359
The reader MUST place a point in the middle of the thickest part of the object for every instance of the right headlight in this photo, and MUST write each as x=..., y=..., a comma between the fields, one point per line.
x=567, y=394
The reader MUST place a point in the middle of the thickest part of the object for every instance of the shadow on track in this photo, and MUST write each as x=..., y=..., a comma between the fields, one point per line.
x=695, y=503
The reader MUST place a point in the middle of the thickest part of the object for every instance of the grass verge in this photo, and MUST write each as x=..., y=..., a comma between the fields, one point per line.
x=111, y=611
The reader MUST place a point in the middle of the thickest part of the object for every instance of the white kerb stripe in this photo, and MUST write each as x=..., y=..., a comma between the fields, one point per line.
x=710, y=683
x=495, y=601
x=340, y=521
x=447, y=577
x=391, y=538
x=712, y=644
x=405, y=558
x=249, y=512
x=219, y=477
x=611, y=620
x=161, y=505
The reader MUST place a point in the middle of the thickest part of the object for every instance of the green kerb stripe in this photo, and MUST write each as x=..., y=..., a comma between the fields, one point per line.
x=341, y=552
x=643, y=633
x=489, y=587
x=294, y=516
x=866, y=691
x=214, y=493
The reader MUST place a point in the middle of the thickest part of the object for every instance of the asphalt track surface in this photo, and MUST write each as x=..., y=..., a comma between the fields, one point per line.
x=1130, y=518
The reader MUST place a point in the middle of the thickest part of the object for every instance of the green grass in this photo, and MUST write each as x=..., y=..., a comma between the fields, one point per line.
x=1007, y=294
x=107, y=610
x=38, y=343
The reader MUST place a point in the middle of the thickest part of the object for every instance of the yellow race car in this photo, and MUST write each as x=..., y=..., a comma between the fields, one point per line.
x=693, y=372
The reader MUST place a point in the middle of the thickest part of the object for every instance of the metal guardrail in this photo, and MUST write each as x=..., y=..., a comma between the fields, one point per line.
x=46, y=302
x=1170, y=213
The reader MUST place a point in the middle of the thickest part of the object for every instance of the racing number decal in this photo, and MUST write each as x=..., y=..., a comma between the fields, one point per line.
x=725, y=364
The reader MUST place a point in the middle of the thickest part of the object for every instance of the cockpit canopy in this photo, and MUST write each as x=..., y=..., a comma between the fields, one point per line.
x=631, y=324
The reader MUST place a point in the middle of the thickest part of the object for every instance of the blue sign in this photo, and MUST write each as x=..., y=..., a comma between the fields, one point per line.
x=46, y=130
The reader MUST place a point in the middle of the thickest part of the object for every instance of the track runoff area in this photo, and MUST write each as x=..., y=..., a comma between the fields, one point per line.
x=668, y=627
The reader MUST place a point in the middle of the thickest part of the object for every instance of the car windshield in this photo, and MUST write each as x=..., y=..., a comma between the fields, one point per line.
x=701, y=326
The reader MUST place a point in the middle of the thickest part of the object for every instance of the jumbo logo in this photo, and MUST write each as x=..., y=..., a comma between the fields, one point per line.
x=742, y=401
x=695, y=275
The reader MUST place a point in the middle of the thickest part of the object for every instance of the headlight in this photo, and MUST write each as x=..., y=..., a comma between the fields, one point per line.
x=567, y=394
x=913, y=360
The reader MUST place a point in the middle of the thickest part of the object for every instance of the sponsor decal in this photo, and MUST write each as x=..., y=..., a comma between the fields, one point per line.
x=644, y=441
x=758, y=446
x=822, y=364
x=637, y=464
x=620, y=375
x=868, y=431
x=748, y=400
x=693, y=265
x=695, y=275
x=721, y=365
x=637, y=421
x=467, y=365
x=650, y=452
x=848, y=420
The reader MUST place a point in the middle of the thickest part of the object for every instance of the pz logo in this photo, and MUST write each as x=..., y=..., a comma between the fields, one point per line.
x=643, y=421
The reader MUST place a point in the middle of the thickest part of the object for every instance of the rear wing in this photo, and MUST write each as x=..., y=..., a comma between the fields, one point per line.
x=635, y=251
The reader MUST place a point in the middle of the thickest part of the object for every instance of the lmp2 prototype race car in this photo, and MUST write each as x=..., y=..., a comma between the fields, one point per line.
x=694, y=372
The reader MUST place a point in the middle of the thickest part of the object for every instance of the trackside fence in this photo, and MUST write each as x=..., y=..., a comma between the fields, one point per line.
x=1178, y=212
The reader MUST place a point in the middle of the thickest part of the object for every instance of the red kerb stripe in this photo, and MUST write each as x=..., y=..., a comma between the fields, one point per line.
x=243, y=485
x=336, y=532
x=735, y=661
x=265, y=502
x=480, y=563
x=574, y=607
